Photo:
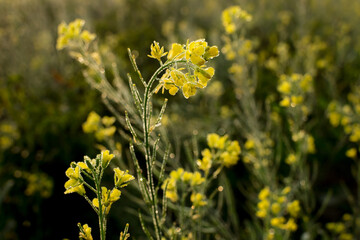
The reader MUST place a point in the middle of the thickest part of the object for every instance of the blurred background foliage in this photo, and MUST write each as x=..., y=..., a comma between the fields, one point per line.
x=44, y=98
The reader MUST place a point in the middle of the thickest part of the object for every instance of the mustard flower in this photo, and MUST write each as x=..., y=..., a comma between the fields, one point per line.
x=176, y=51
x=346, y=236
x=196, y=179
x=92, y=123
x=106, y=157
x=108, y=121
x=157, y=52
x=290, y=225
x=231, y=17
x=294, y=208
x=74, y=184
x=291, y=159
x=275, y=208
x=229, y=159
x=198, y=199
x=277, y=222
x=85, y=232
x=177, y=174
x=122, y=178
x=264, y=193
x=107, y=198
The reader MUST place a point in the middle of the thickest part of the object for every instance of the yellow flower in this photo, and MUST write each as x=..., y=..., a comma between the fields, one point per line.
x=346, y=236
x=291, y=159
x=264, y=193
x=107, y=198
x=189, y=89
x=334, y=118
x=347, y=217
x=87, y=36
x=249, y=144
x=92, y=123
x=261, y=213
x=85, y=233
x=108, y=121
x=290, y=225
x=198, y=199
x=176, y=51
x=211, y=52
x=286, y=190
x=121, y=178
x=294, y=208
x=311, y=144
x=285, y=102
x=275, y=208
x=195, y=51
x=102, y=133
x=284, y=87
x=351, y=153
x=172, y=195
x=231, y=17
x=106, y=157
x=234, y=147
x=281, y=199
x=196, y=179
x=263, y=204
x=74, y=183
x=229, y=159
x=296, y=100
x=204, y=75
x=178, y=77
x=277, y=221
x=187, y=176
x=156, y=51
x=204, y=164
x=176, y=175
x=215, y=141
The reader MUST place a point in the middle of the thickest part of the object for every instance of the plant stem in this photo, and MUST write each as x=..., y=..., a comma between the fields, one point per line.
x=148, y=158
x=101, y=217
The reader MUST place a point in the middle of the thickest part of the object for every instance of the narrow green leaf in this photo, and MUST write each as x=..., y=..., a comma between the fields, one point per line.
x=136, y=95
x=133, y=62
x=158, y=120
x=128, y=123
x=146, y=231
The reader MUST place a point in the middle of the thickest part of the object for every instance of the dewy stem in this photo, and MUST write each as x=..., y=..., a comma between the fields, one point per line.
x=101, y=217
x=149, y=164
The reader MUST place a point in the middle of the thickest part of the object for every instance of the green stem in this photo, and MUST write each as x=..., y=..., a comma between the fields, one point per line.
x=149, y=164
x=101, y=216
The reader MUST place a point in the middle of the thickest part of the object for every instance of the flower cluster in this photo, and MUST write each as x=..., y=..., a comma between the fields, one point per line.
x=85, y=232
x=232, y=17
x=72, y=34
x=180, y=180
x=276, y=208
x=8, y=133
x=258, y=150
x=347, y=115
x=221, y=152
x=294, y=90
x=108, y=197
x=93, y=169
x=38, y=183
x=102, y=127
x=190, y=71
x=342, y=230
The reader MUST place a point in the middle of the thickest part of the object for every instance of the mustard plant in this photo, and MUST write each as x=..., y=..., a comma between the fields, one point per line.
x=184, y=70
x=89, y=174
x=268, y=146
